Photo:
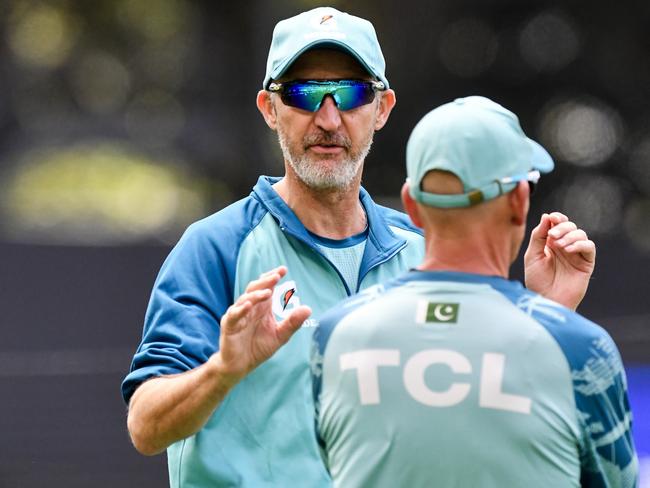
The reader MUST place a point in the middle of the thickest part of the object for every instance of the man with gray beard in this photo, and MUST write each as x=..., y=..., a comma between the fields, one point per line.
x=211, y=382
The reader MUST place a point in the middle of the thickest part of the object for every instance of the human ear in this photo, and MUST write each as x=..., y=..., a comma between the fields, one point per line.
x=387, y=101
x=410, y=207
x=519, y=201
x=266, y=108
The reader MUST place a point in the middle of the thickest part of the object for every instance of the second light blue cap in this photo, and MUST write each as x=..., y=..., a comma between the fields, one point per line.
x=481, y=143
x=329, y=28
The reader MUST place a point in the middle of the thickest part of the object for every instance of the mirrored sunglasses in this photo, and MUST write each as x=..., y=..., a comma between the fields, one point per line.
x=309, y=94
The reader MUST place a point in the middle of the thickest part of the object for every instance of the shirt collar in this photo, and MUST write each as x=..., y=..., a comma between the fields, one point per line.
x=379, y=233
x=497, y=282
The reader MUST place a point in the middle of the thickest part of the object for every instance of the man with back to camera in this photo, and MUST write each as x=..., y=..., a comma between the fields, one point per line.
x=206, y=382
x=451, y=375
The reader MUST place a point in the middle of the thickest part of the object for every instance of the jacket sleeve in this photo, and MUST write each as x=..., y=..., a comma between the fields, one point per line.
x=193, y=290
x=608, y=457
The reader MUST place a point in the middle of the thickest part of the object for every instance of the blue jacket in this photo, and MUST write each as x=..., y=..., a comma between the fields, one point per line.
x=263, y=432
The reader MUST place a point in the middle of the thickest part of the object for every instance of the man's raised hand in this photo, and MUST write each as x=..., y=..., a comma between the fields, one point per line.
x=559, y=260
x=250, y=333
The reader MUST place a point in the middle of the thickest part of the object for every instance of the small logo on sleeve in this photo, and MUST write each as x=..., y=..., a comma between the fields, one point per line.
x=436, y=312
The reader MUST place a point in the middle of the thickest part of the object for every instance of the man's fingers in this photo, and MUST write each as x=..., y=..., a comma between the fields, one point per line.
x=281, y=270
x=262, y=283
x=292, y=323
x=541, y=230
x=247, y=301
x=586, y=248
x=267, y=280
x=253, y=298
x=242, y=307
x=560, y=230
x=557, y=218
x=571, y=237
x=538, y=237
x=234, y=314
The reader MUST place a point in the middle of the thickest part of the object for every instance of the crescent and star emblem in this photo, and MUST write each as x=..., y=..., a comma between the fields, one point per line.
x=443, y=312
x=437, y=312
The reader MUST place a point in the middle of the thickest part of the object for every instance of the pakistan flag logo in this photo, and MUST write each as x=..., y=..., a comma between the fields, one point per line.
x=446, y=313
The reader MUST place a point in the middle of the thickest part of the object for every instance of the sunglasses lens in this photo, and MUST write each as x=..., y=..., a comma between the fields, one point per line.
x=308, y=95
x=353, y=96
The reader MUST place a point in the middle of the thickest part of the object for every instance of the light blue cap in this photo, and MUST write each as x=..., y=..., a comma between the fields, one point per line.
x=481, y=143
x=324, y=27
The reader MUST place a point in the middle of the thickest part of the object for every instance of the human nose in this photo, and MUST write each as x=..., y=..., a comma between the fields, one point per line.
x=327, y=116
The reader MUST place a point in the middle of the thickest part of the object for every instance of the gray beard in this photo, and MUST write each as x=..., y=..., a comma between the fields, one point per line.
x=313, y=174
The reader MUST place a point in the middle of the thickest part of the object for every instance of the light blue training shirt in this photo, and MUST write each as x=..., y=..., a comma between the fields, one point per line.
x=460, y=380
x=345, y=254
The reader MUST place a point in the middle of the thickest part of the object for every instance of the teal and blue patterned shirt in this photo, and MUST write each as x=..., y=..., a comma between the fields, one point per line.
x=462, y=380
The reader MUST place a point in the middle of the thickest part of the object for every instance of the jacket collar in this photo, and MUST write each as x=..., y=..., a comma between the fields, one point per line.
x=382, y=241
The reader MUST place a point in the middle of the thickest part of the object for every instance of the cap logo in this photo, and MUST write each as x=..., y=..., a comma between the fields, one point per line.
x=324, y=22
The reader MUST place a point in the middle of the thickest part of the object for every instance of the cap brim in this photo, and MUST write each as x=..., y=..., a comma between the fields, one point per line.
x=541, y=159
